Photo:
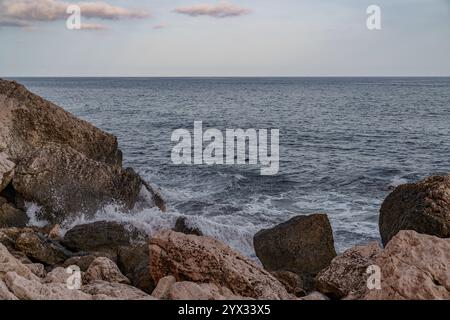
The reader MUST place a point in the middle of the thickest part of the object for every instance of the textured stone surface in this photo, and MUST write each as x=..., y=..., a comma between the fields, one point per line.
x=39, y=248
x=104, y=269
x=10, y=216
x=25, y=289
x=6, y=171
x=347, y=275
x=5, y=294
x=200, y=291
x=206, y=260
x=414, y=267
x=55, y=153
x=133, y=261
x=162, y=290
x=102, y=236
x=303, y=245
x=8, y=263
x=182, y=225
x=423, y=207
x=102, y=290
x=291, y=281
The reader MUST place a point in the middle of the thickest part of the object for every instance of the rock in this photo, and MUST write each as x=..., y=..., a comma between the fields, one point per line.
x=53, y=172
x=55, y=232
x=162, y=290
x=291, y=281
x=315, y=296
x=25, y=289
x=133, y=261
x=6, y=171
x=206, y=260
x=83, y=262
x=55, y=153
x=5, y=294
x=8, y=263
x=57, y=275
x=38, y=269
x=200, y=291
x=12, y=217
x=102, y=236
x=423, y=207
x=414, y=267
x=39, y=248
x=182, y=226
x=347, y=275
x=303, y=245
x=102, y=290
x=106, y=270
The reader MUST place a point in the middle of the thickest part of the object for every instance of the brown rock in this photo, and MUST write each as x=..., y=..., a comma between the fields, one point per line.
x=315, y=296
x=83, y=262
x=200, y=291
x=347, y=275
x=162, y=290
x=102, y=290
x=8, y=263
x=106, y=270
x=414, y=267
x=38, y=269
x=423, y=207
x=102, y=236
x=182, y=226
x=303, y=245
x=39, y=248
x=6, y=171
x=12, y=217
x=206, y=260
x=133, y=261
x=5, y=294
x=26, y=289
x=56, y=153
x=291, y=281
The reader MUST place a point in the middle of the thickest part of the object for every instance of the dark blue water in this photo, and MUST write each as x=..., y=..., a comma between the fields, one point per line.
x=343, y=143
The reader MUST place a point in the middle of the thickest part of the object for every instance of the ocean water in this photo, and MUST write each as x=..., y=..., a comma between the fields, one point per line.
x=344, y=143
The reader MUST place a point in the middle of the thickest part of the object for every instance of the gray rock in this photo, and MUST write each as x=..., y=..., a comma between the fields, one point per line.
x=423, y=207
x=303, y=245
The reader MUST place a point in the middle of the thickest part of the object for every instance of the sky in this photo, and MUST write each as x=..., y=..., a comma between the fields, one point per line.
x=225, y=38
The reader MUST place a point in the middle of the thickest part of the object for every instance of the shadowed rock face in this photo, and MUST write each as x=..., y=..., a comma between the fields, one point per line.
x=303, y=245
x=62, y=163
x=423, y=207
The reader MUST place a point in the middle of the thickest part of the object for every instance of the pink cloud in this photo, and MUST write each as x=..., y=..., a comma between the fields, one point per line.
x=20, y=12
x=220, y=10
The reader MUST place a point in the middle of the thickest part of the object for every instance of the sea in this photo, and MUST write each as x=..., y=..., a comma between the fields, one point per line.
x=345, y=143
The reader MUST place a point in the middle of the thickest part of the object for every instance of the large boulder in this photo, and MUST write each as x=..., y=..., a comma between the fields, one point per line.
x=423, y=207
x=10, y=216
x=106, y=270
x=347, y=275
x=206, y=260
x=133, y=261
x=62, y=163
x=6, y=171
x=414, y=267
x=39, y=248
x=303, y=245
x=102, y=290
x=8, y=263
x=103, y=236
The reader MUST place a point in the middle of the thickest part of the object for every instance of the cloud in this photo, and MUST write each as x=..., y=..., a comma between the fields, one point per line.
x=19, y=12
x=13, y=23
x=220, y=10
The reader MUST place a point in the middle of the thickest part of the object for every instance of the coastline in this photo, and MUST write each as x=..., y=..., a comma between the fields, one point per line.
x=68, y=167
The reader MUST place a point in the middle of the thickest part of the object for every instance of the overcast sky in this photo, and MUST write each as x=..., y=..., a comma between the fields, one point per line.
x=232, y=38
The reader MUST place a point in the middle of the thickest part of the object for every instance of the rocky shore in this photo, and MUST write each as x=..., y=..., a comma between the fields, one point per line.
x=67, y=167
